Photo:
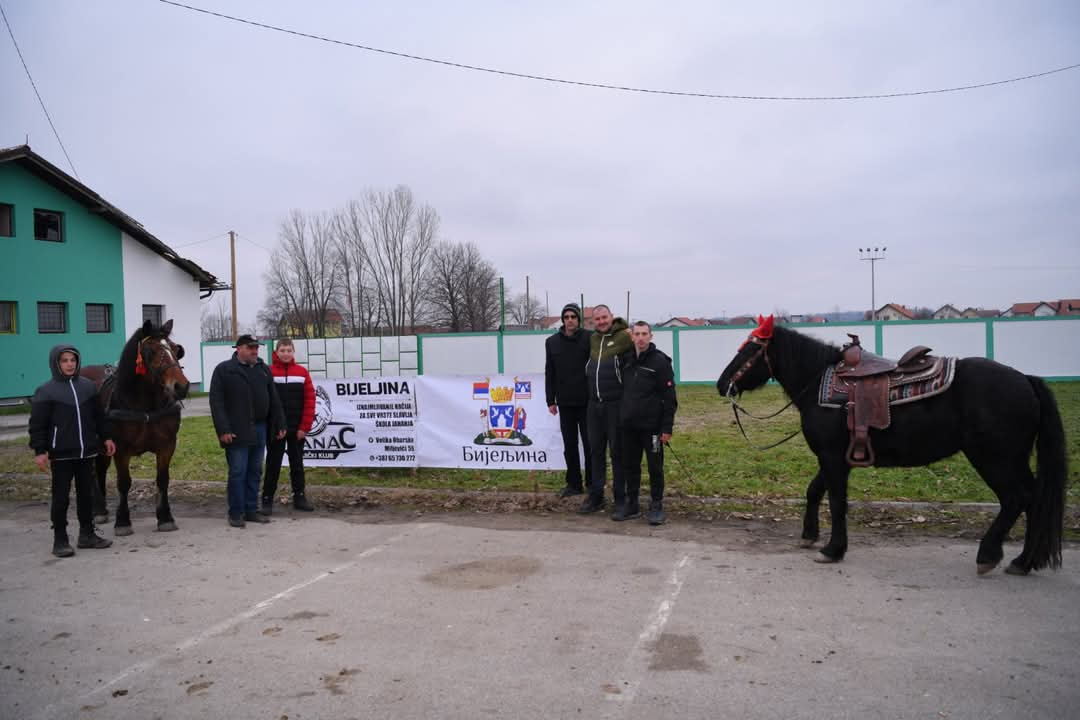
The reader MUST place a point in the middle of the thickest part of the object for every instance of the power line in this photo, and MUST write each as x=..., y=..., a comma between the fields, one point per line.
x=34, y=85
x=200, y=242
x=249, y=240
x=621, y=88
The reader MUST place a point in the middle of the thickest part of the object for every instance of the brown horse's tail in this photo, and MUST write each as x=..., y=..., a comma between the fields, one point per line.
x=1046, y=515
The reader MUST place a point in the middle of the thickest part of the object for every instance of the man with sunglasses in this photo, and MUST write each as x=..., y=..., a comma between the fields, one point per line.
x=567, y=352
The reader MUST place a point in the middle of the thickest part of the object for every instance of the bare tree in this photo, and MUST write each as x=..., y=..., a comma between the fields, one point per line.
x=525, y=309
x=216, y=321
x=461, y=288
x=359, y=296
x=304, y=277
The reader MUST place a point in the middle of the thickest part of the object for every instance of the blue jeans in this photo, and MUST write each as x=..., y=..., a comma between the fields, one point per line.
x=245, y=471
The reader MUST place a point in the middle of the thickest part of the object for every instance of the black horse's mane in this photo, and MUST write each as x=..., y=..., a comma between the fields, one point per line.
x=804, y=356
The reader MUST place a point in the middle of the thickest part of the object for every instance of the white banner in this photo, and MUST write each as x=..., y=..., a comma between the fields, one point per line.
x=363, y=422
x=492, y=423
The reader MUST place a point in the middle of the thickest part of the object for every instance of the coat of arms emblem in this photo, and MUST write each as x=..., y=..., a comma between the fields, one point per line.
x=503, y=417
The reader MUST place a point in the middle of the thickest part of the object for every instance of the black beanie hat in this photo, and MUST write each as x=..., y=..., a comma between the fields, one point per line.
x=572, y=307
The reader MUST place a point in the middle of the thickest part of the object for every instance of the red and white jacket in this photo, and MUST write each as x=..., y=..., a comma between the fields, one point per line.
x=297, y=393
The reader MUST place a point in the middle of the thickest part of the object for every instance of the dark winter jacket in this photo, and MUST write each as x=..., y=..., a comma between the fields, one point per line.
x=604, y=368
x=297, y=393
x=66, y=419
x=564, y=369
x=648, y=401
x=242, y=395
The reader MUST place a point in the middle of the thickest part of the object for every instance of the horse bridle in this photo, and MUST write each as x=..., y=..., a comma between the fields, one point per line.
x=157, y=371
x=763, y=346
x=736, y=408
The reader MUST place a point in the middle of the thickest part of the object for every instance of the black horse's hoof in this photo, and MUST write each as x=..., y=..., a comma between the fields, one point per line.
x=826, y=559
x=167, y=526
x=122, y=530
x=807, y=542
x=983, y=568
x=101, y=519
x=1014, y=569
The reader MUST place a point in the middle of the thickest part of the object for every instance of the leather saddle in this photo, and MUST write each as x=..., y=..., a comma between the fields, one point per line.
x=866, y=385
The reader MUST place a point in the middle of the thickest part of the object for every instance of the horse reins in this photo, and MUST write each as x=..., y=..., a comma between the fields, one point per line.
x=126, y=415
x=736, y=408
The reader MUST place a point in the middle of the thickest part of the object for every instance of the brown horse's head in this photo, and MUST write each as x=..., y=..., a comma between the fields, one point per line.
x=157, y=360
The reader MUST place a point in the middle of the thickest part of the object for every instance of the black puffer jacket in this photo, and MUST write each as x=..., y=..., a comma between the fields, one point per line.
x=242, y=395
x=66, y=419
x=564, y=369
x=648, y=401
x=604, y=369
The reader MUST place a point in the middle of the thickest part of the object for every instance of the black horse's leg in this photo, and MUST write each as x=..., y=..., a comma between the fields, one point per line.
x=836, y=480
x=165, y=520
x=101, y=506
x=1010, y=481
x=123, y=485
x=811, y=528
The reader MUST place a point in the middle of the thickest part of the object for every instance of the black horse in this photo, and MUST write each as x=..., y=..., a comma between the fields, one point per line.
x=142, y=401
x=992, y=413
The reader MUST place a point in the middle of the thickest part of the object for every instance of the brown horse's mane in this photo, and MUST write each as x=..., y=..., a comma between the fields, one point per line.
x=128, y=384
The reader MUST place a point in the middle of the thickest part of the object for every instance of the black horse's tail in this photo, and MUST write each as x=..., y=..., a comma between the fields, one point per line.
x=1046, y=516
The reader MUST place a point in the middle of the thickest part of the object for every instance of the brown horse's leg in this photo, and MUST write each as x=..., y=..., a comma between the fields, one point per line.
x=101, y=506
x=123, y=485
x=165, y=519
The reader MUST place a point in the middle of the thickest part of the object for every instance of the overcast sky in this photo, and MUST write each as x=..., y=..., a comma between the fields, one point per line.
x=196, y=125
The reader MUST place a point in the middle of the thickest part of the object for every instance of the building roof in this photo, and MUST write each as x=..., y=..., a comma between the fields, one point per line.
x=42, y=168
x=1028, y=308
x=898, y=308
x=1068, y=306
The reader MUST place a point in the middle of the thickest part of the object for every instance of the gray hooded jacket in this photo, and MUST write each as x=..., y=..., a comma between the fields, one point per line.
x=66, y=419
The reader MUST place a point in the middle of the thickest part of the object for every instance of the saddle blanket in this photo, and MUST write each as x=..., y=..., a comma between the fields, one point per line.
x=903, y=388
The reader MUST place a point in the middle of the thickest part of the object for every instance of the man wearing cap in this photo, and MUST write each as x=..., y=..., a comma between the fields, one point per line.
x=245, y=408
x=567, y=396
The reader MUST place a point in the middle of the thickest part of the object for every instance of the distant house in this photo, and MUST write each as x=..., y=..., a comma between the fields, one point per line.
x=971, y=312
x=1031, y=309
x=77, y=269
x=742, y=320
x=892, y=311
x=947, y=312
x=1069, y=307
x=683, y=322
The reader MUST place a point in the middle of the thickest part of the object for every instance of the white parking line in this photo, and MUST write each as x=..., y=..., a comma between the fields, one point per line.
x=66, y=708
x=637, y=661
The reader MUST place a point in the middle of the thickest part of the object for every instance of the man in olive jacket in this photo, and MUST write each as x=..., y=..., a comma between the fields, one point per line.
x=566, y=352
x=603, y=373
x=245, y=409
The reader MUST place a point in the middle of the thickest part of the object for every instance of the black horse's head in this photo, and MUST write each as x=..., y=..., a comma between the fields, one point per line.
x=750, y=368
x=155, y=359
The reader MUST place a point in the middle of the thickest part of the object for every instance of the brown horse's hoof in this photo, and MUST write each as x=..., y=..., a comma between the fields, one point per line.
x=167, y=526
x=1013, y=569
x=825, y=559
x=101, y=519
x=122, y=530
x=983, y=568
x=804, y=543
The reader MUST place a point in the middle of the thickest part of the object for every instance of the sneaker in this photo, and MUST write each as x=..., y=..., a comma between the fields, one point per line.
x=267, y=507
x=236, y=521
x=570, y=491
x=92, y=540
x=299, y=502
x=656, y=514
x=61, y=548
x=595, y=503
x=628, y=511
x=255, y=517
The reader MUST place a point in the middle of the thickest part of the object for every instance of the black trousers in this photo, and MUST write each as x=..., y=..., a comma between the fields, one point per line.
x=275, y=451
x=603, y=423
x=634, y=442
x=63, y=472
x=572, y=423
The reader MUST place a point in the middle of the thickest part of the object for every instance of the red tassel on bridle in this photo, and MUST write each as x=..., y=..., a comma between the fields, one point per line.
x=140, y=366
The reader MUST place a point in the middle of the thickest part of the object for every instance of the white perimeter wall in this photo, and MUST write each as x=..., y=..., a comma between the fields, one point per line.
x=150, y=279
x=1048, y=348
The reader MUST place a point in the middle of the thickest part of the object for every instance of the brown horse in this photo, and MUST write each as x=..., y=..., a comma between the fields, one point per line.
x=142, y=401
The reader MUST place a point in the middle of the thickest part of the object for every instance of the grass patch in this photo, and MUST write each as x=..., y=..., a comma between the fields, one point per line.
x=710, y=459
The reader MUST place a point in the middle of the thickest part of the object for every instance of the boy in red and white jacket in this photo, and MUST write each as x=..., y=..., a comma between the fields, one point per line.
x=297, y=393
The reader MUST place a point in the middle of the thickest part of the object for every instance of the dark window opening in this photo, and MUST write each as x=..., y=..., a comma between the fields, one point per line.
x=98, y=318
x=7, y=318
x=48, y=225
x=52, y=317
x=7, y=220
x=153, y=313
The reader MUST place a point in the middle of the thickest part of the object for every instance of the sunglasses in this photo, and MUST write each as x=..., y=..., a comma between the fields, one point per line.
x=569, y=316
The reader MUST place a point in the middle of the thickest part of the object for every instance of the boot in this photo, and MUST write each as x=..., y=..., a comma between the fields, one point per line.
x=267, y=507
x=594, y=503
x=89, y=538
x=626, y=511
x=61, y=547
x=656, y=514
x=299, y=502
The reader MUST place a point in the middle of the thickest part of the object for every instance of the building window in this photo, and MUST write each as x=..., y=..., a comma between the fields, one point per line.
x=7, y=318
x=153, y=313
x=52, y=317
x=48, y=225
x=98, y=318
x=7, y=220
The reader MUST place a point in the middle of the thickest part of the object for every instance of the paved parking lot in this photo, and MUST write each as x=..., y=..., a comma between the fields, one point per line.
x=376, y=615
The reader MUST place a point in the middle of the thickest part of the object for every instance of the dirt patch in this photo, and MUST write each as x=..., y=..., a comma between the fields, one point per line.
x=678, y=652
x=486, y=574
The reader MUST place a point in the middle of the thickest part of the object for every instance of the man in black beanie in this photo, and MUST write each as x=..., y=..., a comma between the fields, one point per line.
x=564, y=372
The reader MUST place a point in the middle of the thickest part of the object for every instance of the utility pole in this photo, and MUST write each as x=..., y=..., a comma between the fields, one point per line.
x=232, y=259
x=627, y=306
x=528, y=304
x=873, y=255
